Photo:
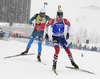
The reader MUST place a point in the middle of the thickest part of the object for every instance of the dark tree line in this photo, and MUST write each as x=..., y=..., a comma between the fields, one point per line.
x=15, y=11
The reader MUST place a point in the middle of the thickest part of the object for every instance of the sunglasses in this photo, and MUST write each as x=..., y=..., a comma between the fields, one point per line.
x=60, y=16
x=42, y=13
x=60, y=13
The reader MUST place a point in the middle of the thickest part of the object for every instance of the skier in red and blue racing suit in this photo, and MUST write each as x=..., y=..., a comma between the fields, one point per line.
x=58, y=25
x=40, y=22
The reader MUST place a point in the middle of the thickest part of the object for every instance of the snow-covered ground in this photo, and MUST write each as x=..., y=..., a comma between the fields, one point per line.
x=27, y=67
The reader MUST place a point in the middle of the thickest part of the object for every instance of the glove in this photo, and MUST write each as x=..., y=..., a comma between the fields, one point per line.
x=30, y=21
x=46, y=37
x=67, y=36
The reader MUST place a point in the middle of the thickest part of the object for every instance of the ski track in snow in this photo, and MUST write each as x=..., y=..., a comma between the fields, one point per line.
x=27, y=67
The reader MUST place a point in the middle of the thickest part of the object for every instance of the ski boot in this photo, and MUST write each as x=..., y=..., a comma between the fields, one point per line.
x=25, y=52
x=54, y=65
x=74, y=64
x=38, y=57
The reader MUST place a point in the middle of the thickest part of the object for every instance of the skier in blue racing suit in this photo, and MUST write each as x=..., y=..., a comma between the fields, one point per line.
x=58, y=25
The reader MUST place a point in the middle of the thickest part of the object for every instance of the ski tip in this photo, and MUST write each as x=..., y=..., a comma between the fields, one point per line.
x=4, y=58
x=44, y=64
x=92, y=73
x=33, y=53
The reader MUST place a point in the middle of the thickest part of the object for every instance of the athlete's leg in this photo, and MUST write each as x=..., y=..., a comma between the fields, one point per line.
x=29, y=45
x=57, y=50
x=56, y=47
x=32, y=38
x=40, y=40
x=65, y=45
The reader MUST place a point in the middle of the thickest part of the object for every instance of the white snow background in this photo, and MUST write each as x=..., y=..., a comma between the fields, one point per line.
x=27, y=67
x=81, y=13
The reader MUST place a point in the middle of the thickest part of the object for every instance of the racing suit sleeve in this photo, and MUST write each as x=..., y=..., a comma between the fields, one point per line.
x=68, y=25
x=51, y=22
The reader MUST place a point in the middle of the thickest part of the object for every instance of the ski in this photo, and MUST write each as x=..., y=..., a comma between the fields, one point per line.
x=19, y=55
x=83, y=70
x=41, y=62
x=55, y=72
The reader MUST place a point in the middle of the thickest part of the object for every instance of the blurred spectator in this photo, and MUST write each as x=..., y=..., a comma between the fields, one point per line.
x=70, y=45
x=94, y=48
x=48, y=43
x=9, y=34
x=1, y=34
x=84, y=47
x=80, y=46
x=98, y=49
x=16, y=34
x=74, y=45
x=13, y=35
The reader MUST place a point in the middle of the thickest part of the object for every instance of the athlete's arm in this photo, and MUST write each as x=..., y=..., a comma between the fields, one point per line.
x=51, y=22
x=68, y=24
